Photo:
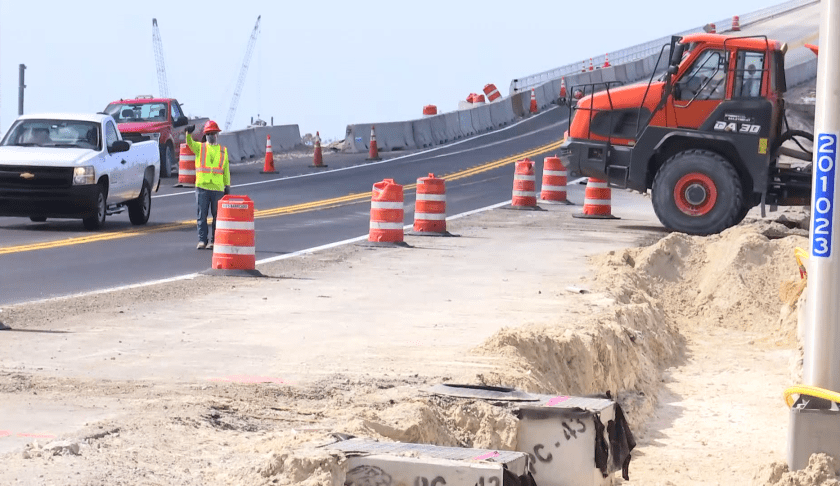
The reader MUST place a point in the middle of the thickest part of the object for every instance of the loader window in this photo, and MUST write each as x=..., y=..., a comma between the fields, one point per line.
x=705, y=80
x=749, y=71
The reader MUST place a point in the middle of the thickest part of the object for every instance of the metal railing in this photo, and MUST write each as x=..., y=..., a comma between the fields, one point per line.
x=642, y=51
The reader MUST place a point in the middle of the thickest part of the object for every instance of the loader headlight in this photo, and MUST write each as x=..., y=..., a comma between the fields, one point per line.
x=84, y=175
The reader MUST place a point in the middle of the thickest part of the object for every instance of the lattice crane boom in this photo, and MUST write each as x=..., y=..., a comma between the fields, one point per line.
x=159, y=62
x=242, y=73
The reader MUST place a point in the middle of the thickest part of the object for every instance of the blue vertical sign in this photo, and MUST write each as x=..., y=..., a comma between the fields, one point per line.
x=823, y=209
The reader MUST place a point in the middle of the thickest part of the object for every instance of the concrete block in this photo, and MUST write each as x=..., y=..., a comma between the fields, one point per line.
x=501, y=112
x=453, y=126
x=559, y=434
x=386, y=463
x=439, y=129
x=481, y=119
x=465, y=120
x=423, y=133
x=520, y=103
x=283, y=137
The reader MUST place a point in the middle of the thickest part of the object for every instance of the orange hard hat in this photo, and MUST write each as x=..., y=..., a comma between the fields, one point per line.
x=211, y=127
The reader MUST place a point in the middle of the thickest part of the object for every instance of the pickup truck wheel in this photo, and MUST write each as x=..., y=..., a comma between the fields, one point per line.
x=698, y=192
x=167, y=161
x=140, y=208
x=37, y=219
x=96, y=221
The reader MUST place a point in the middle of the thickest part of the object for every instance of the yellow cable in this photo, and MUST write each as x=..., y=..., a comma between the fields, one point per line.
x=811, y=391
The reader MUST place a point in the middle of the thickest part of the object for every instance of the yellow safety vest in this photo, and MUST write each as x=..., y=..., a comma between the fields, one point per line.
x=212, y=171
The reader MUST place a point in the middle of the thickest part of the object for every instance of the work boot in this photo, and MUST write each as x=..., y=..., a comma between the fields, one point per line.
x=201, y=245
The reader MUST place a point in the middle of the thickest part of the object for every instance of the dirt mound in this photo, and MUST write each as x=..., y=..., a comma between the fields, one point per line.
x=821, y=471
x=732, y=279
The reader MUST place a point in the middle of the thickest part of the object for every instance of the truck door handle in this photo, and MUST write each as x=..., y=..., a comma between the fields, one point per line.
x=123, y=161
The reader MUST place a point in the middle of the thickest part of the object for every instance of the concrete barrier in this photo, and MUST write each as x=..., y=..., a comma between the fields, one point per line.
x=453, y=126
x=796, y=75
x=520, y=103
x=482, y=122
x=465, y=120
x=423, y=133
x=283, y=137
x=501, y=112
x=389, y=136
x=228, y=140
x=439, y=129
x=247, y=143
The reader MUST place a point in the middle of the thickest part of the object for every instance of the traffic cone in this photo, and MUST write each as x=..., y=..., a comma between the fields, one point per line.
x=268, y=168
x=736, y=24
x=563, y=87
x=584, y=67
x=374, y=150
x=597, y=201
x=534, y=108
x=711, y=29
x=607, y=60
x=591, y=65
x=318, y=160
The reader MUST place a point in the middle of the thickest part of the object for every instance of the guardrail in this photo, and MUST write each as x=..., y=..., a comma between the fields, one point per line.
x=649, y=48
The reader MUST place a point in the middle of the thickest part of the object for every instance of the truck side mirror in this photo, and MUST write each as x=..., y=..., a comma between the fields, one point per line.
x=677, y=54
x=180, y=121
x=119, y=146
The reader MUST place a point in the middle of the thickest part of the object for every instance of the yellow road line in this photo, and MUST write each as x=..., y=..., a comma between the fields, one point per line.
x=267, y=213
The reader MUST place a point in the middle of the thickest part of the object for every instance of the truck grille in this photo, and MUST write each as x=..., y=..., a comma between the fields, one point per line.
x=44, y=177
x=135, y=137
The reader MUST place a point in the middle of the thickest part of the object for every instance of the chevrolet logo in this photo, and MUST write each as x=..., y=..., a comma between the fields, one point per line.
x=27, y=175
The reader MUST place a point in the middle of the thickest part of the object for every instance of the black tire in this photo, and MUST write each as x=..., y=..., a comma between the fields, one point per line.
x=97, y=220
x=167, y=161
x=698, y=192
x=37, y=219
x=140, y=208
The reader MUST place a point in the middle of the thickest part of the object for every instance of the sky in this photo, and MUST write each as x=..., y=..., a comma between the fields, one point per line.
x=319, y=64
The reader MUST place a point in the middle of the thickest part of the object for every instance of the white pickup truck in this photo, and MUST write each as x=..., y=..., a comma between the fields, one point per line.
x=75, y=166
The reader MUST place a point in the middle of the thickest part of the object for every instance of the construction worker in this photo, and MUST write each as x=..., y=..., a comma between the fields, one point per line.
x=212, y=179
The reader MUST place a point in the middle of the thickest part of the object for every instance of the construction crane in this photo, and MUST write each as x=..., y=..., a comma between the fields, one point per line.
x=161, y=65
x=242, y=72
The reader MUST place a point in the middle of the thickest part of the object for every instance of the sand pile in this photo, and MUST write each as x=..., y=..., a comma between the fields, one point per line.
x=821, y=471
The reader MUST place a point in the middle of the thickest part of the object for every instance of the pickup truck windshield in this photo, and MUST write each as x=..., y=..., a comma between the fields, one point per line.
x=54, y=133
x=137, y=112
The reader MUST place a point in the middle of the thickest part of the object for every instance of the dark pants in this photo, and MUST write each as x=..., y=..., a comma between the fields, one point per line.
x=207, y=202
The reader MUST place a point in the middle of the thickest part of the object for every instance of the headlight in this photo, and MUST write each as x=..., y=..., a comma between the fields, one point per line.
x=154, y=136
x=84, y=175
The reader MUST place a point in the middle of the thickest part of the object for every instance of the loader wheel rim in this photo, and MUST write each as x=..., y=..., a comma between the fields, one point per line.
x=695, y=194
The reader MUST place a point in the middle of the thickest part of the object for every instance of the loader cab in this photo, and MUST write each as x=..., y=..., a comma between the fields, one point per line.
x=717, y=70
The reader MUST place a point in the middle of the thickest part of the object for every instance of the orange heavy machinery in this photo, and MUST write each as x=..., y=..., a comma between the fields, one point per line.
x=705, y=137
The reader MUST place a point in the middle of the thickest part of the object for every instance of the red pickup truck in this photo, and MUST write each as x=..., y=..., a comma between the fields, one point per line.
x=158, y=119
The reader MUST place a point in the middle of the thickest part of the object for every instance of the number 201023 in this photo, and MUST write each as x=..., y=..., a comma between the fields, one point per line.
x=824, y=195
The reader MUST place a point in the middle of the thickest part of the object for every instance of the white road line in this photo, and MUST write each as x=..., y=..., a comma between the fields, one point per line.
x=386, y=161
x=259, y=262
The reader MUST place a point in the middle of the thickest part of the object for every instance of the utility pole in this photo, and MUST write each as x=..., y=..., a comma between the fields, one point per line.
x=815, y=419
x=21, y=85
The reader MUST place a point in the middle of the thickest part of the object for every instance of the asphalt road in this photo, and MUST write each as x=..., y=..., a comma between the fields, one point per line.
x=299, y=208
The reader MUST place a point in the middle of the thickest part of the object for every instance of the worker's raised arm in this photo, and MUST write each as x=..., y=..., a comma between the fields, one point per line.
x=194, y=146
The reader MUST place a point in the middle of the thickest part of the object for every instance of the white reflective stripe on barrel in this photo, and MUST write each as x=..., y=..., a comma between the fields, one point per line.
x=596, y=202
x=431, y=197
x=234, y=225
x=386, y=205
x=522, y=177
x=385, y=226
x=558, y=173
x=233, y=250
x=525, y=193
x=186, y=172
x=597, y=185
x=188, y=157
x=554, y=188
x=430, y=216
